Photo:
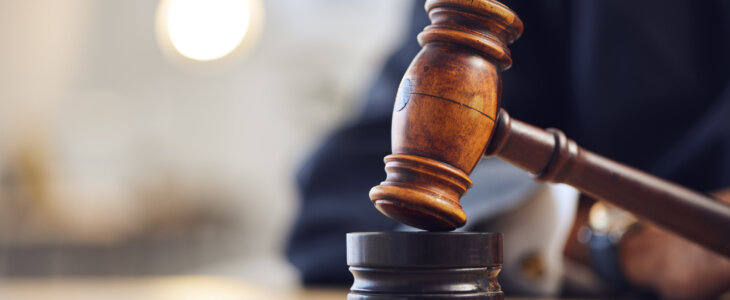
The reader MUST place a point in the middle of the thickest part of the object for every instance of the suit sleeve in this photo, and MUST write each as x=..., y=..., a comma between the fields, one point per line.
x=334, y=182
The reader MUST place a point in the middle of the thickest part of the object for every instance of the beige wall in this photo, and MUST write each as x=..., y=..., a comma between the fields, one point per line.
x=110, y=140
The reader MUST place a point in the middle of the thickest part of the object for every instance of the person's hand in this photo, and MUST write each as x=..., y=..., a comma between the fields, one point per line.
x=672, y=266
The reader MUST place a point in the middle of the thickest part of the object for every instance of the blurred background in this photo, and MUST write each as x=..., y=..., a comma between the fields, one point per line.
x=161, y=137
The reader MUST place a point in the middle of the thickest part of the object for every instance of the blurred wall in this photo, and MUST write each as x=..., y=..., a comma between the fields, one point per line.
x=105, y=141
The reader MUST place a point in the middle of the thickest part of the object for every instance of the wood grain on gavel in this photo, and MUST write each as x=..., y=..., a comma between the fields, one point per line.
x=552, y=157
x=447, y=116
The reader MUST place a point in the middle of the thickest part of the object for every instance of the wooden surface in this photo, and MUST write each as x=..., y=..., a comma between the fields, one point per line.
x=446, y=115
x=392, y=264
x=552, y=157
x=156, y=288
x=444, y=112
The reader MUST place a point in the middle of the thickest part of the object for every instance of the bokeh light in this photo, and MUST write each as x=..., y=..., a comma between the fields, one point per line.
x=206, y=29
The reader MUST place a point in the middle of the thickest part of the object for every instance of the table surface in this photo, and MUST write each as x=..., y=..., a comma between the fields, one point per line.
x=155, y=288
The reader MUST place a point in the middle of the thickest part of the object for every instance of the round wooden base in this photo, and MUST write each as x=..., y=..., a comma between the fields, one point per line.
x=424, y=265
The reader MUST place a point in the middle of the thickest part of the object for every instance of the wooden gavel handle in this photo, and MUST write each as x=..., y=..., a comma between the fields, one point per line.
x=552, y=157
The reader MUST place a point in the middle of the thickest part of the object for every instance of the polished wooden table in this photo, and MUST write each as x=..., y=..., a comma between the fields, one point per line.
x=155, y=288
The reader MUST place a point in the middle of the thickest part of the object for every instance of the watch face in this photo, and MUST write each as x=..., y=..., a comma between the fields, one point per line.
x=607, y=219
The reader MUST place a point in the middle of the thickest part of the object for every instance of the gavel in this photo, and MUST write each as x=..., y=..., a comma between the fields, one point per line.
x=447, y=116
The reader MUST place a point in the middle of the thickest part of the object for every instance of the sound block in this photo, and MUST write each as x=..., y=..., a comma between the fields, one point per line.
x=424, y=265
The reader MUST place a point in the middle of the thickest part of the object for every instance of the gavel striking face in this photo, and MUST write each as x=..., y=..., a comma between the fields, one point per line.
x=445, y=112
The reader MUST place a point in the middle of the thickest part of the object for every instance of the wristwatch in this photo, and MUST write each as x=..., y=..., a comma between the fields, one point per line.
x=607, y=225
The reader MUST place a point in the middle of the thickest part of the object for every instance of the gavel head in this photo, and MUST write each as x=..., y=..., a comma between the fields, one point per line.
x=445, y=111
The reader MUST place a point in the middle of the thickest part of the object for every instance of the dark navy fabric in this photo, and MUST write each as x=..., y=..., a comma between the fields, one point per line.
x=646, y=83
